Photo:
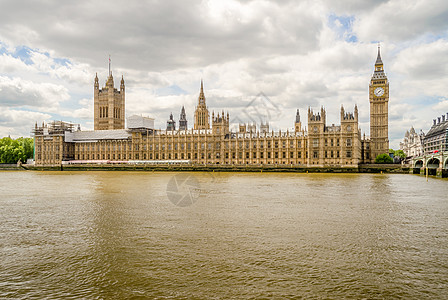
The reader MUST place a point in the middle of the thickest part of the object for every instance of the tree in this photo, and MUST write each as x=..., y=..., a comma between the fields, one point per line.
x=13, y=150
x=384, y=159
x=400, y=154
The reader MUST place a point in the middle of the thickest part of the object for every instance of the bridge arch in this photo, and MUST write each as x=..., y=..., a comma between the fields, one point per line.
x=433, y=163
x=418, y=164
x=445, y=165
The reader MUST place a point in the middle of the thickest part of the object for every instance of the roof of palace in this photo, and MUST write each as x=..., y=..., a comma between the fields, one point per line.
x=95, y=135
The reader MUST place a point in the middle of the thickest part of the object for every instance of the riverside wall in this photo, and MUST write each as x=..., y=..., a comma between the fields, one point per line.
x=371, y=168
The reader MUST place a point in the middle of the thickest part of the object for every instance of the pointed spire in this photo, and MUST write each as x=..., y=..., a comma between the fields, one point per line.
x=298, y=116
x=378, y=58
x=201, y=94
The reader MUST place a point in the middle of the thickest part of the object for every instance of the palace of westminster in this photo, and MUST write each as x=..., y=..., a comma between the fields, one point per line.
x=211, y=141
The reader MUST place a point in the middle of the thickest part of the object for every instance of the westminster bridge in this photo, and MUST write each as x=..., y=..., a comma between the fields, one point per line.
x=433, y=163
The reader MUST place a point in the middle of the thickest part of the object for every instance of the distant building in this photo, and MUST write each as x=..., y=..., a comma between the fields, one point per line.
x=437, y=137
x=412, y=144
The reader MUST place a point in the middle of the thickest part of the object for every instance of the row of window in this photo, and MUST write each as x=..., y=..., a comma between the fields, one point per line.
x=176, y=146
x=104, y=112
x=217, y=155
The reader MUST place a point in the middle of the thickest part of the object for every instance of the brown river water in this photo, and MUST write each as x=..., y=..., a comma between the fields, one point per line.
x=145, y=235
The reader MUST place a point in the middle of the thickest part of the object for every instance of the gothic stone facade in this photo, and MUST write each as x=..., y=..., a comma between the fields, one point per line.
x=379, y=111
x=109, y=105
x=320, y=146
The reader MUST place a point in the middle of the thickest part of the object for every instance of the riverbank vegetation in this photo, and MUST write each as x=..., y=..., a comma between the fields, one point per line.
x=384, y=159
x=13, y=150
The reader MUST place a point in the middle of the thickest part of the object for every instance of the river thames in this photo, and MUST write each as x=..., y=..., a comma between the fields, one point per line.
x=144, y=235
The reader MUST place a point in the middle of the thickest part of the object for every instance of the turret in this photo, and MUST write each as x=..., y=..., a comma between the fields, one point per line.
x=110, y=81
x=96, y=84
x=298, y=123
x=171, y=124
x=316, y=122
x=183, y=119
x=220, y=124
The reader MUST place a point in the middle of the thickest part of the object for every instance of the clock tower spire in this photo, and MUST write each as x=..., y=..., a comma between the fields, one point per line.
x=379, y=110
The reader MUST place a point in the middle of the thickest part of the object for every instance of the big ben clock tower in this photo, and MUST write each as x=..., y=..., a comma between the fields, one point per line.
x=379, y=112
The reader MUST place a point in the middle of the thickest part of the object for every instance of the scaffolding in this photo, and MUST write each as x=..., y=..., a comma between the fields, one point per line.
x=55, y=127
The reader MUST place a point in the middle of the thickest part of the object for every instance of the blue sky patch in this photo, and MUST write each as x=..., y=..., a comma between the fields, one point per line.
x=23, y=53
x=342, y=25
x=172, y=90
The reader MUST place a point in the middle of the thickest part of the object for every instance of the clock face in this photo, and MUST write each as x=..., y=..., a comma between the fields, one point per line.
x=379, y=92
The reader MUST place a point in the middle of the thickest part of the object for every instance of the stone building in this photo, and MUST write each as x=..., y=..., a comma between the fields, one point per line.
x=379, y=112
x=412, y=144
x=109, y=105
x=436, y=140
x=212, y=141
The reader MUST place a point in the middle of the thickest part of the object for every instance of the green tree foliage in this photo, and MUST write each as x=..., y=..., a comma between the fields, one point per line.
x=13, y=150
x=400, y=154
x=384, y=159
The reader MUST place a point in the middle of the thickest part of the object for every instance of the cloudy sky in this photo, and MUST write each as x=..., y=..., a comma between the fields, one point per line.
x=298, y=54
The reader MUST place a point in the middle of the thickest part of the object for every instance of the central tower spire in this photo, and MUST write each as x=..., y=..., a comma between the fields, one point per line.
x=201, y=94
x=201, y=114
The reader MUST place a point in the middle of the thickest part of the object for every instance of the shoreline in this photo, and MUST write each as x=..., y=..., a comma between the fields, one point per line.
x=361, y=169
x=218, y=168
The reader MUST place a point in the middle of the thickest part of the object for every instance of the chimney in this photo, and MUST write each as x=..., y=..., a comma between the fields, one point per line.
x=434, y=121
x=438, y=120
x=443, y=118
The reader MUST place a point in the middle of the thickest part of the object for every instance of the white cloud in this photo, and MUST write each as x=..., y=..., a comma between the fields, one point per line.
x=401, y=20
x=17, y=122
x=10, y=64
x=442, y=106
x=16, y=92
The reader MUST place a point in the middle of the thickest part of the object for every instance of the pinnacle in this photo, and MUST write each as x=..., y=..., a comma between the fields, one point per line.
x=378, y=59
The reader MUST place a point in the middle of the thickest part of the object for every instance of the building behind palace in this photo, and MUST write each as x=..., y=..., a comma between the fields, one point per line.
x=436, y=140
x=412, y=144
x=211, y=141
